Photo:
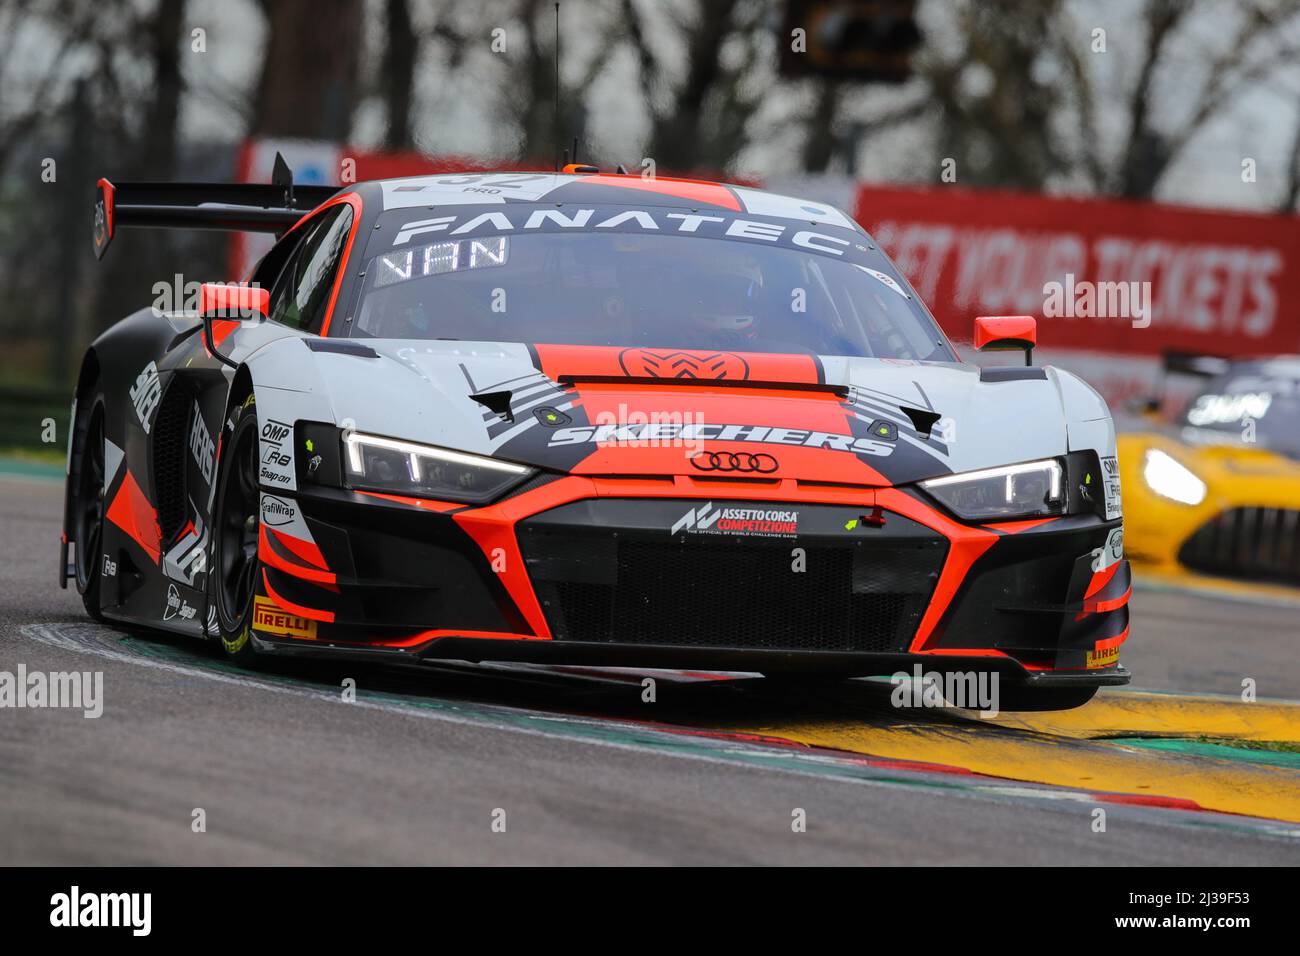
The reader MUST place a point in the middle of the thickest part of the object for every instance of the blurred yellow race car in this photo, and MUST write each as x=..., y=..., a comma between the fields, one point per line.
x=1216, y=489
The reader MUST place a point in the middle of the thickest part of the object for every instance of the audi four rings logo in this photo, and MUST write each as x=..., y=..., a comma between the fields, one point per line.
x=734, y=461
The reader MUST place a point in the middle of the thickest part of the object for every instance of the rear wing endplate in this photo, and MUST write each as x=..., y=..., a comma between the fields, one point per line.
x=238, y=207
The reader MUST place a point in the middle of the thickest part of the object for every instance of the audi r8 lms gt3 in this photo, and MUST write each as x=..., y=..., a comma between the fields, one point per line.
x=1218, y=488
x=586, y=418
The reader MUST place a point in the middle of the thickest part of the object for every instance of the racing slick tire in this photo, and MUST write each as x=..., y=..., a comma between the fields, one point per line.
x=88, y=481
x=236, y=513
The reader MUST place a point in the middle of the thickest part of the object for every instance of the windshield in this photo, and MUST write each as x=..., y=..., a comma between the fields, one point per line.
x=627, y=289
x=1254, y=405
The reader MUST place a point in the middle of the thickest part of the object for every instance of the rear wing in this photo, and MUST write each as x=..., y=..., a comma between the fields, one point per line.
x=238, y=207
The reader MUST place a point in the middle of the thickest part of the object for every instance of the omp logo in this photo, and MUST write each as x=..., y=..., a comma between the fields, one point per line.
x=713, y=366
x=276, y=511
x=1110, y=488
x=74, y=909
x=697, y=519
x=145, y=394
x=275, y=431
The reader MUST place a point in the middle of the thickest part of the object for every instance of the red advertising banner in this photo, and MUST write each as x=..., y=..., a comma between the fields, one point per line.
x=1179, y=278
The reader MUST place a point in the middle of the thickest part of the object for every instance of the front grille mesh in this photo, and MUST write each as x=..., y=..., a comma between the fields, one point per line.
x=745, y=595
x=1257, y=543
x=168, y=447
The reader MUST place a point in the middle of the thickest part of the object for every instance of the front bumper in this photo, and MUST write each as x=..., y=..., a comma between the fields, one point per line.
x=686, y=573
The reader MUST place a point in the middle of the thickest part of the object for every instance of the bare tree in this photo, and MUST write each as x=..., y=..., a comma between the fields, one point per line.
x=397, y=73
x=700, y=121
x=992, y=109
x=1016, y=99
x=1152, y=144
x=1291, y=200
x=308, y=85
x=156, y=153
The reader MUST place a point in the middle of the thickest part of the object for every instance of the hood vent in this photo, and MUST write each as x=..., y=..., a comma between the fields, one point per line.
x=342, y=347
x=498, y=402
x=1012, y=373
x=922, y=419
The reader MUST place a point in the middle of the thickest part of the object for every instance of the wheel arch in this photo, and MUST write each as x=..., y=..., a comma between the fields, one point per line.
x=88, y=374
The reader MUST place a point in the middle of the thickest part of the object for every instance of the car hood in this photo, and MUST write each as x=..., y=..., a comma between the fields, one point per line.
x=611, y=411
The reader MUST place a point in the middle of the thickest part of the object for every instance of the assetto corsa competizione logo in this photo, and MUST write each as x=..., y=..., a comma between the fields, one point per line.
x=760, y=522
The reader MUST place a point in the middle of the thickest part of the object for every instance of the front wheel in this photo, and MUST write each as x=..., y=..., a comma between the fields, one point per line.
x=236, y=566
x=88, y=481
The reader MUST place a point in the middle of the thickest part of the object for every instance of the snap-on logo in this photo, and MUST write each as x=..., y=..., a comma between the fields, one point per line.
x=657, y=363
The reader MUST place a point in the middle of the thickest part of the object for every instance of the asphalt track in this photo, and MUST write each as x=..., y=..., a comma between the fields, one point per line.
x=582, y=770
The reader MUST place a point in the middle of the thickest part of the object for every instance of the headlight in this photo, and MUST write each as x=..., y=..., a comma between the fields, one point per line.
x=1170, y=478
x=403, y=467
x=1028, y=490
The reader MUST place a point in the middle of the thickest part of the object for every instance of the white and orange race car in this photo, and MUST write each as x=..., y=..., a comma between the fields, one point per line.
x=577, y=418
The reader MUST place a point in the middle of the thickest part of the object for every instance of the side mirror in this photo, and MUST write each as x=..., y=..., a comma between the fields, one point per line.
x=1006, y=333
x=234, y=301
